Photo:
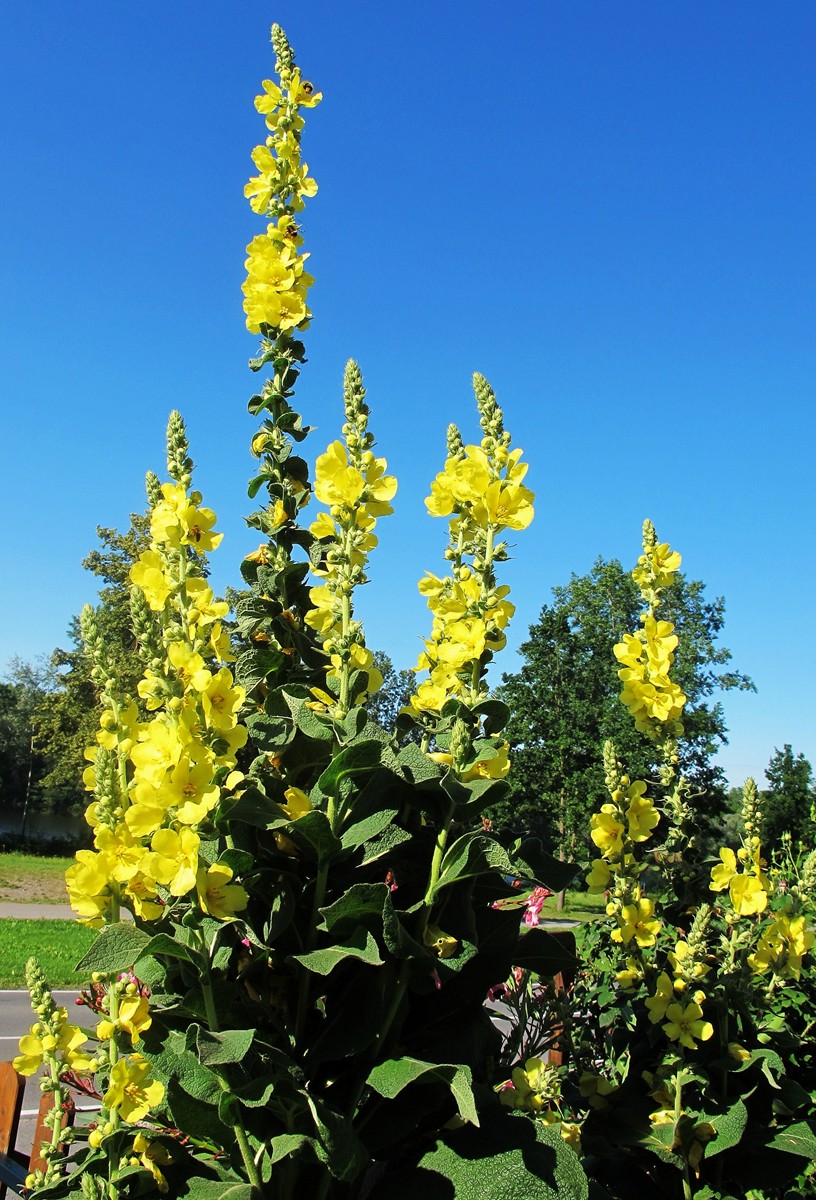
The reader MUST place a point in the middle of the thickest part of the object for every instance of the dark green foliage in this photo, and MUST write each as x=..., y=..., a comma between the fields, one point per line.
x=67, y=718
x=788, y=804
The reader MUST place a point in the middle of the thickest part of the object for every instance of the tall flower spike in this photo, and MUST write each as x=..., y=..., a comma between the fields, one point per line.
x=354, y=486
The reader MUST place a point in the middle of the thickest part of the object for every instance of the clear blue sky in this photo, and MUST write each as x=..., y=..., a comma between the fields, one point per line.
x=605, y=208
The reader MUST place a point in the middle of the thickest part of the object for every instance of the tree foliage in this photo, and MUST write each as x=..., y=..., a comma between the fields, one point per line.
x=564, y=701
x=66, y=717
x=22, y=762
x=788, y=804
x=394, y=693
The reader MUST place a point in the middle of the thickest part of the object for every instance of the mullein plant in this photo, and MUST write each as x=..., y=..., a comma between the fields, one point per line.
x=684, y=991
x=314, y=909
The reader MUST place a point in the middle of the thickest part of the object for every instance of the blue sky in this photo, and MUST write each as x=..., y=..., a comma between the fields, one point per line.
x=606, y=209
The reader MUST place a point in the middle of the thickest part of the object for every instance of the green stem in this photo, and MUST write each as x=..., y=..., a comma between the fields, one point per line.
x=241, y=1139
x=678, y=1112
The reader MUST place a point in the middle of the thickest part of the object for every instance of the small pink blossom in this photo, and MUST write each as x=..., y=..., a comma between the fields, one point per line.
x=534, y=905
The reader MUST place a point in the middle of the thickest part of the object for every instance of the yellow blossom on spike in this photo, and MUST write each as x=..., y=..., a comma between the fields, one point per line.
x=686, y=1026
x=660, y=1001
x=442, y=944
x=217, y=895
x=748, y=896
x=132, y=1092
x=724, y=872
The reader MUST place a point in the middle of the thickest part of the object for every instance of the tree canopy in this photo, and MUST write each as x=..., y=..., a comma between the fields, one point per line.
x=564, y=701
x=788, y=804
x=66, y=718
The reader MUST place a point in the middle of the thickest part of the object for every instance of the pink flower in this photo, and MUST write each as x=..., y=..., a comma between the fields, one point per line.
x=534, y=905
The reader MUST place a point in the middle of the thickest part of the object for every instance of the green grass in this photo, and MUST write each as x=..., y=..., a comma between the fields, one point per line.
x=31, y=879
x=59, y=945
x=578, y=906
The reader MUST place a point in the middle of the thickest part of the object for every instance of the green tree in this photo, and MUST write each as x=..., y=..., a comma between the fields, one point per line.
x=788, y=804
x=67, y=719
x=564, y=701
x=22, y=762
x=397, y=688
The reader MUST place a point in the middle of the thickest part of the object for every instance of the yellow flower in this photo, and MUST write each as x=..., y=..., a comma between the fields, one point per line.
x=747, y=895
x=599, y=877
x=133, y=1017
x=660, y=1001
x=782, y=947
x=217, y=895
x=148, y=574
x=153, y=1155
x=220, y=700
x=41, y=1044
x=174, y=860
x=641, y=814
x=684, y=1025
x=635, y=921
x=607, y=831
x=132, y=1092
x=724, y=872
x=442, y=944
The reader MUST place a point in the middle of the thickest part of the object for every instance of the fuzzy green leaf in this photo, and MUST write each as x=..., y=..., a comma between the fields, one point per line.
x=730, y=1126
x=506, y=1159
x=115, y=950
x=471, y=855
x=356, y=759
x=229, y=1046
x=390, y=1077
x=360, y=945
x=370, y=827
x=164, y=946
x=799, y=1138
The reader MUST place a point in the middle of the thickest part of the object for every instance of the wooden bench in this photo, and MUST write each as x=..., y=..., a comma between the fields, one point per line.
x=14, y=1166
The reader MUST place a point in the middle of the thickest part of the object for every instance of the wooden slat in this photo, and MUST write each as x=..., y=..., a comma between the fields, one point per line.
x=41, y=1131
x=12, y=1087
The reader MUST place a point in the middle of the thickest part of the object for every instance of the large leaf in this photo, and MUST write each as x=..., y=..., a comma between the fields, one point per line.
x=796, y=1139
x=730, y=1126
x=508, y=1158
x=532, y=862
x=164, y=946
x=341, y=1148
x=228, y=1046
x=360, y=945
x=354, y=760
x=546, y=952
x=115, y=950
x=471, y=855
x=312, y=833
x=369, y=827
x=390, y=1077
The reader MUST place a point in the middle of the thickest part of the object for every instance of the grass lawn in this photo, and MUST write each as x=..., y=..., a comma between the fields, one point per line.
x=578, y=906
x=59, y=945
x=30, y=879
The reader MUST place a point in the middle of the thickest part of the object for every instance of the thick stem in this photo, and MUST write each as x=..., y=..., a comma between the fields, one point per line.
x=241, y=1139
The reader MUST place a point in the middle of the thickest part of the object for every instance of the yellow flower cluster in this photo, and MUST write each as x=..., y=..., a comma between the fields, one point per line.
x=747, y=887
x=354, y=486
x=276, y=287
x=157, y=782
x=51, y=1040
x=678, y=999
x=536, y=1088
x=480, y=490
x=782, y=946
x=627, y=820
x=646, y=657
